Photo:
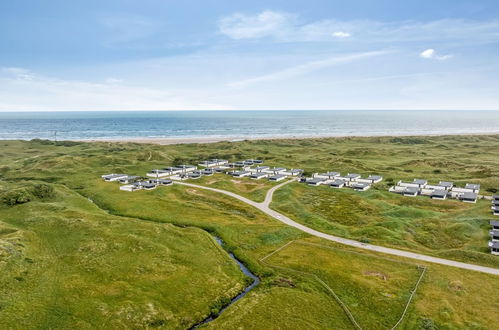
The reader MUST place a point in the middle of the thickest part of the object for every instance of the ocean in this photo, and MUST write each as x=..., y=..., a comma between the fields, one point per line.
x=241, y=124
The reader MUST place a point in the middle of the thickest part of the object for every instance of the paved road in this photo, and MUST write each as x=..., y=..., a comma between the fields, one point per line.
x=264, y=207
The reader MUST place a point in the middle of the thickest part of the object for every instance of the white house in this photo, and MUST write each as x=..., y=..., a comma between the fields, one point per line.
x=213, y=162
x=338, y=183
x=129, y=179
x=275, y=170
x=259, y=169
x=494, y=247
x=410, y=191
x=259, y=175
x=277, y=177
x=292, y=172
x=468, y=197
x=317, y=181
x=158, y=173
x=241, y=174
x=130, y=187
x=361, y=186
x=439, y=194
x=327, y=175
x=113, y=177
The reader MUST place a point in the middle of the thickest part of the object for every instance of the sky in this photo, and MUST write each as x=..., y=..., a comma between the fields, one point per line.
x=59, y=55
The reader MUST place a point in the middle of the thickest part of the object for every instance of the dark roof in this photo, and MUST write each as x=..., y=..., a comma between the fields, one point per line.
x=361, y=185
x=316, y=180
x=278, y=176
x=411, y=190
x=494, y=245
x=259, y=174
x=472, y=186
x=420, y=181
x=439, y=193
x=374, y=177
x=494, y=223
x=446, y=184
x=353, y=175
x=330, y=174
x=337, y=182
x=495, y=197
x=469, y=196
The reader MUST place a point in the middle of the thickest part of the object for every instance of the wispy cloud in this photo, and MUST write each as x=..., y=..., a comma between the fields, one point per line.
x=19, y=73
x=288, y=27
x=306, y=68
x=23, y=90
x=264, y=24
x=432, y=54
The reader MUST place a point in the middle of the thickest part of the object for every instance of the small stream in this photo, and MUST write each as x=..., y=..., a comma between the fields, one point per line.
x=250, y=287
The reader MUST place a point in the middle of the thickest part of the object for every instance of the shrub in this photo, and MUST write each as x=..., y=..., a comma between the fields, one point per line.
x=43, y=191
x=428, y=324
x=18, y=196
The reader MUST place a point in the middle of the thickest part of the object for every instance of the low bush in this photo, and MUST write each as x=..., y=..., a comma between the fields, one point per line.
x=17, y=196
x=43, y=191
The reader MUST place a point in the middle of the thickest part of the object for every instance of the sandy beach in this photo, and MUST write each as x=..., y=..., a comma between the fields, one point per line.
x=202, y=140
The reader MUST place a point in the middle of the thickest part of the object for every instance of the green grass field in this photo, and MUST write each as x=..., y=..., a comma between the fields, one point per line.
x=146, y=259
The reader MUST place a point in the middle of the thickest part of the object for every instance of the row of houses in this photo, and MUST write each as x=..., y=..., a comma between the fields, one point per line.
x=274, y=174
x=494, y=237
x=336, y=180
x=134, y=182
x=495, y=205
x=442, y=190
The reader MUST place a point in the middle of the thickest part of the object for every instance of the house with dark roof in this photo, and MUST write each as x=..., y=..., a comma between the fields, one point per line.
x=327, y=175
x=494, y=235
x=420, y=182
x=410, y=191
x=113, y=177
x=208, y=171
x=292, y=172
x=473, y=187
x=338, y=183
x=494, y=247
x=194, y=175
x=494, y=224
x=317, y=181
x=275, y=170
x=446, y=184
x=439, y=194
x=360, y=186
x=469, y=197
x=129, y=179
x=259, y=175
x=241, y=174
x=277, y=177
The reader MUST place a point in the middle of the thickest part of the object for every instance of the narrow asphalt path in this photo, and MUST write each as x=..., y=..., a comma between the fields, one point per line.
x=265, y=208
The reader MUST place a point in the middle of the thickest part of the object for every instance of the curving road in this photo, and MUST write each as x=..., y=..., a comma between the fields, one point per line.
x=264, y=207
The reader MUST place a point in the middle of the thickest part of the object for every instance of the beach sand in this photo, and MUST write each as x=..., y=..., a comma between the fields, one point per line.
x=202, y=140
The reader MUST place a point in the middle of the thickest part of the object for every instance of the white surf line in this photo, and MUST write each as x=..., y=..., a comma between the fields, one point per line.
x=264, y=207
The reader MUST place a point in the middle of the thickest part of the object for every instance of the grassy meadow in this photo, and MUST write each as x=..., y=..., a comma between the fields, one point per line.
x=76, y=252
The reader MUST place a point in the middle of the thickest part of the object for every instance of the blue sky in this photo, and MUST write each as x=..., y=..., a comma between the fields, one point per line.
x=218, y=54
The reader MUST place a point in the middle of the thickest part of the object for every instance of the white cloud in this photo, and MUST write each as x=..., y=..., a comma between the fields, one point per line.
x=288, y=27
x=341, y=34
x=19, y=73
x=264, y=24
x=429, y=53
x=432, y=54
x=54, y=94
x=306, y=68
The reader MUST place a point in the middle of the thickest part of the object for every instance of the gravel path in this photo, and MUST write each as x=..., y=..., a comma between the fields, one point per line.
x=265, y=208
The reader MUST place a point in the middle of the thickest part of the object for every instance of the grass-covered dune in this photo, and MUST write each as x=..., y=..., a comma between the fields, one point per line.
x=76, y=252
